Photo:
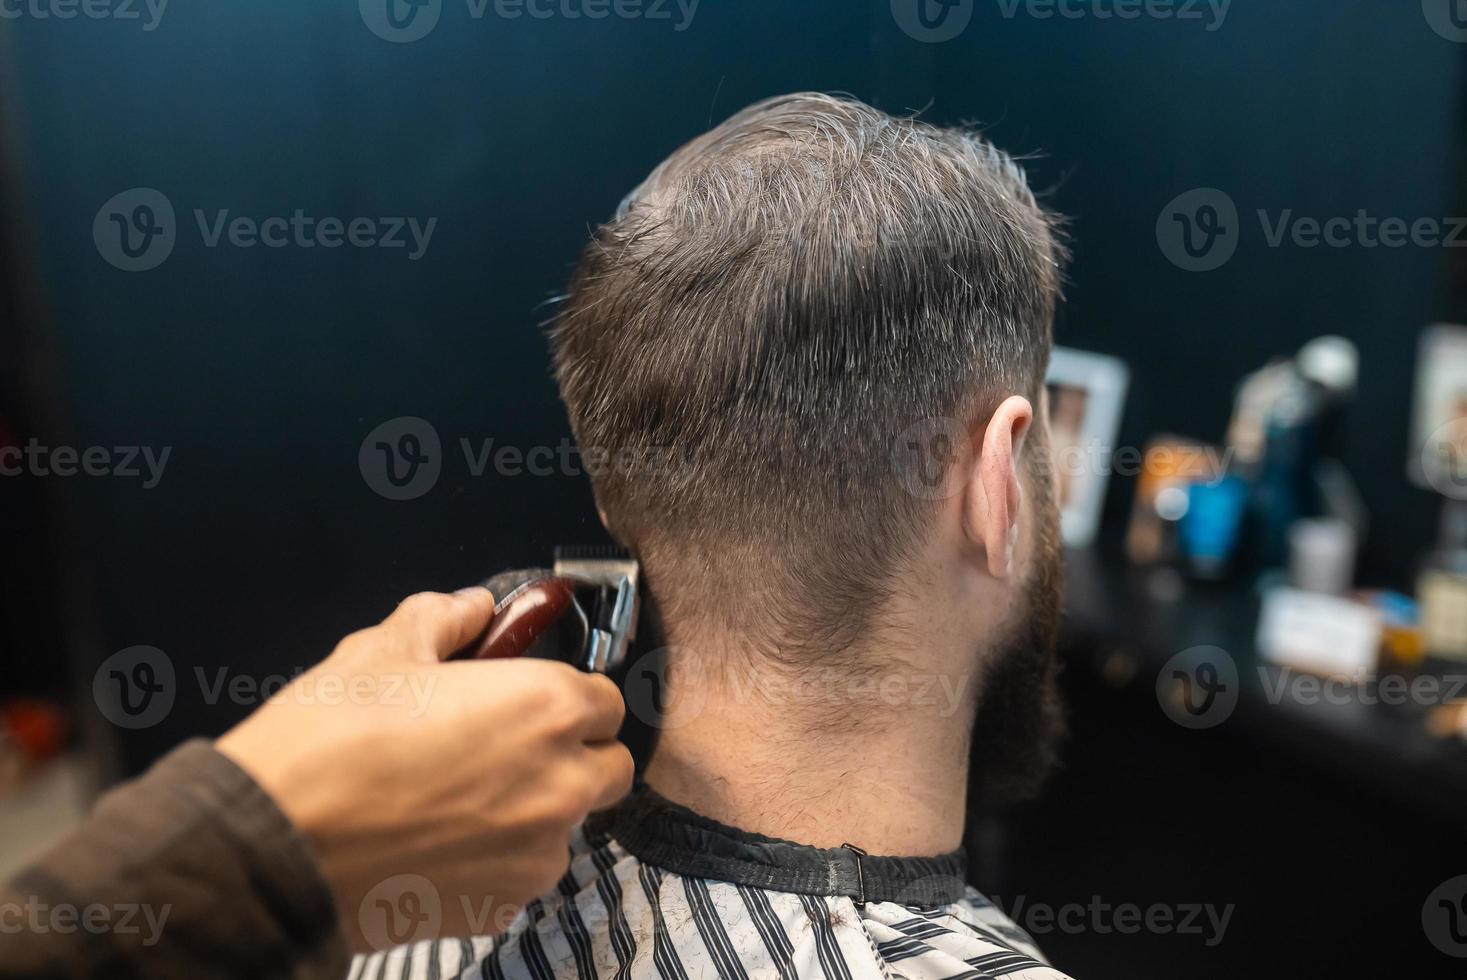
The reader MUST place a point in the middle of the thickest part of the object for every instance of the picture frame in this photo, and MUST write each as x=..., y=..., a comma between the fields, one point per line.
x=1438, y=453
x=1087, y=394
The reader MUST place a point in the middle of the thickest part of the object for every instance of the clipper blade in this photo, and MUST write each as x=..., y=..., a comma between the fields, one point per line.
x=613, y=618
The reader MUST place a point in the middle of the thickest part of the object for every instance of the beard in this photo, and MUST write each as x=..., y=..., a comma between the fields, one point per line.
x=1020, y=719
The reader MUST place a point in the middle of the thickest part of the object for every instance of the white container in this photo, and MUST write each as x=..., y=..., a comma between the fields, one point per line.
x=1322, y=555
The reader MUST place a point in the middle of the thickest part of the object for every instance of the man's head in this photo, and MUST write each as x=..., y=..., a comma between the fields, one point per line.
x=823, y=332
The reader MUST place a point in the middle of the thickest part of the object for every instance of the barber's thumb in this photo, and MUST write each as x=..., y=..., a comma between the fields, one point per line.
x=436, y=624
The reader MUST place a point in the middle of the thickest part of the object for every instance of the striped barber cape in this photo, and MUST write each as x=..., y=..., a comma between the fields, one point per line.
x=656, y=892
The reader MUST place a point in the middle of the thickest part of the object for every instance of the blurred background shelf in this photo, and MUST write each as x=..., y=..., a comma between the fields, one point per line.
x=1123, y=624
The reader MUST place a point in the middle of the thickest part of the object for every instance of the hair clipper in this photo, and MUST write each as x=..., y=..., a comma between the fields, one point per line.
x=582, y=611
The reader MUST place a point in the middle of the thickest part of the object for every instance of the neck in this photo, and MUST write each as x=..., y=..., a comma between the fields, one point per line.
x=822, y=756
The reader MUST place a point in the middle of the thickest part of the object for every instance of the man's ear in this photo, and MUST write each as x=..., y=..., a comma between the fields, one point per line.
x=991, y=496
x=614, y=532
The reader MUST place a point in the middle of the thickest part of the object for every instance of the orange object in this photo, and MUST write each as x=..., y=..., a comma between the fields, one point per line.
x=38, y=727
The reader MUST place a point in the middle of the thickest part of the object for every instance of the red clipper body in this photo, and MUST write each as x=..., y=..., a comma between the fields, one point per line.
x=583, y=611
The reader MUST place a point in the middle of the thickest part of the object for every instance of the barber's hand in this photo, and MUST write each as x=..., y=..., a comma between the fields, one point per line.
x=467, y=774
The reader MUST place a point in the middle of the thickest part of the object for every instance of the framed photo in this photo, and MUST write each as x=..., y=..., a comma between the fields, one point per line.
x=1438, y=458
x=1086, y=395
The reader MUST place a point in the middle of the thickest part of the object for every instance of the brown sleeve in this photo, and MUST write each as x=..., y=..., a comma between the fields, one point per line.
x=190, y=871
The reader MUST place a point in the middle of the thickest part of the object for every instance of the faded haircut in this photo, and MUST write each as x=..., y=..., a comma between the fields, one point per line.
x=758, y=325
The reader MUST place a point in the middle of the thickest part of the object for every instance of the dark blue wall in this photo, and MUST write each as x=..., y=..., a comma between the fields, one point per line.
x=264, y=369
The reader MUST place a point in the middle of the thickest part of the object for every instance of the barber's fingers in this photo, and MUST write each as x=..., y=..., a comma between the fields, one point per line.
x=603, y=709
x=610, y=771
x=433, y=625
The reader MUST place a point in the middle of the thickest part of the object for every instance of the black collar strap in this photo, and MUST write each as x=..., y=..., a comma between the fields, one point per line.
x=674, y=838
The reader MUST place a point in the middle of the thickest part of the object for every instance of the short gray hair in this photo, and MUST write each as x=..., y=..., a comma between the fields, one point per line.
x=779, y=300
